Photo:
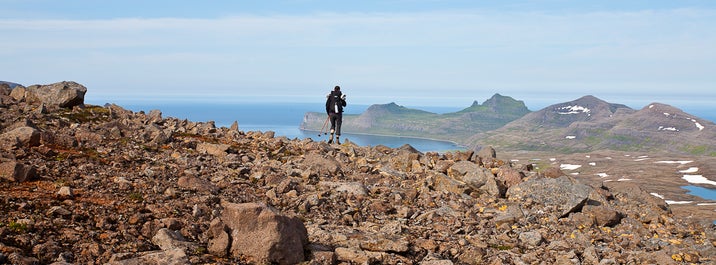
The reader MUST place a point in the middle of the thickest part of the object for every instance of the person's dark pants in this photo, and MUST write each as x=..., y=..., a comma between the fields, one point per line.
x=336, y=120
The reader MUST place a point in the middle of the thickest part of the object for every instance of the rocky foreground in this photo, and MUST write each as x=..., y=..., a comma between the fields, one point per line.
x=84, y=184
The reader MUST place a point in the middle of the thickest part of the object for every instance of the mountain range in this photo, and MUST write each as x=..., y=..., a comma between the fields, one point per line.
x=582, y=125
x=393, y=119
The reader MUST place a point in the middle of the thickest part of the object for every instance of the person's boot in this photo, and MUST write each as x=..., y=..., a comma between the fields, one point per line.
x=338, y=139
x=330, y=139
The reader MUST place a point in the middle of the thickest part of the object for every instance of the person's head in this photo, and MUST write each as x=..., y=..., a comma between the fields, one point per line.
x=337, y=88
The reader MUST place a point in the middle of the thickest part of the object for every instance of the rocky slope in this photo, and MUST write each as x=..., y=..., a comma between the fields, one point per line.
x=95, y=185
x=392, y=119
x=590, y=124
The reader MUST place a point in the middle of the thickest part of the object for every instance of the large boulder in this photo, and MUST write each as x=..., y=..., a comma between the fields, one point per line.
x=65, y=94
x=20, y=137
x=259, y=234
x=18, y=172
x=559, y=196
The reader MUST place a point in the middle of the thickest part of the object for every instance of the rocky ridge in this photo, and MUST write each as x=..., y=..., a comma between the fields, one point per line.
x=104, y=185
x=590, y=124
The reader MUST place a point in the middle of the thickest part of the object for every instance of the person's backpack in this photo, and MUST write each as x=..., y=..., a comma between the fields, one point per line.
x=336, y=101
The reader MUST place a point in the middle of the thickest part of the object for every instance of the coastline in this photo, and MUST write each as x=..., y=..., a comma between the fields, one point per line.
x=397, y=136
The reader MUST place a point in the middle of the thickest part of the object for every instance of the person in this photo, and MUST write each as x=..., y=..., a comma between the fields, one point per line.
x=335, y=101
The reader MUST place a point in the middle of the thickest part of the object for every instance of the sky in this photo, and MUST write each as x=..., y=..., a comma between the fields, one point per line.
x=412, y=52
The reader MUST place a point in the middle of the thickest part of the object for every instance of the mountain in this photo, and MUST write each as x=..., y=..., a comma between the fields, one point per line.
x=11, y=84
x=589, y=124
x=393, y=119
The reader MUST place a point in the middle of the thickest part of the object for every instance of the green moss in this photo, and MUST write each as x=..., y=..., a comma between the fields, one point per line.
x=17, y=227
x=136, y=196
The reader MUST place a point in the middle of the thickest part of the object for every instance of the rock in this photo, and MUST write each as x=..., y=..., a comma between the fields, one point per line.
x=470, y=173
x=487, y=152
x=197, y=184
x=386, y=245
x=564, y=194
x=173, y=256
x=65, y=192
x=220, y=238
x=261, y=234
x=603, y=215
x=354, y=188
x=20, y=137
x=320, y=165
x=66, y=94
x=14, y=171
x=167, y=239
x=219, y=150
x=18, y=93
x=530, y=238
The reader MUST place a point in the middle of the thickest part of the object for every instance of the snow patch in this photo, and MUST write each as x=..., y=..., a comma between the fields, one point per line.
x=576, y=109
x=569, y=166
x=574, y=174
x=592, y=163
x=651, y=106
x=571, y=137
x=698, y=179
x=677, y=202
x=642, y=156
x=515, y=160
x=552, y=159
x=706, y=204
x=698, y=125
x=683, y=162
x=624, y=179
x=673, y=129
x=690, y=170
x=602, y=175
x=640, y=159
x=666, y=113
x=657, y=195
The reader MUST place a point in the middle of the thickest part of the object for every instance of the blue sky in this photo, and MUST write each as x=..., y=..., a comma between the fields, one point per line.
x=412, y=52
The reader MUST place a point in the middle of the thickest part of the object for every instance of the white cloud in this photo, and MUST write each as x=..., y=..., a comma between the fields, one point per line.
x=459, y=51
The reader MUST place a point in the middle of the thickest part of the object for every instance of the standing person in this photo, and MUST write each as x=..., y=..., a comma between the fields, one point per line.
x=335, y=101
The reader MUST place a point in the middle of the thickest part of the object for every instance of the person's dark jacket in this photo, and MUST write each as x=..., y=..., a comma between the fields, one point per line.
x=333, y=100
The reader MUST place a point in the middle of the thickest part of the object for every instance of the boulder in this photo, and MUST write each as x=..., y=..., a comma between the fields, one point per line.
x=262, y=235
x=18, y=93
x=65, y=94
x=20, y=137
x=320, y=165
x=559, y=196
x=14, y=171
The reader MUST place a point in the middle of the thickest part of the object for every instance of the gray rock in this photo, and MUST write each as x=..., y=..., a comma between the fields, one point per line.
x=530, y=238
x=66, y=94
x=167, y=239
x=559, y=196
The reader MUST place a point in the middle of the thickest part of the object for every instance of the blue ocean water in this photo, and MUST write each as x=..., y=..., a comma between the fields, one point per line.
x=283, y=119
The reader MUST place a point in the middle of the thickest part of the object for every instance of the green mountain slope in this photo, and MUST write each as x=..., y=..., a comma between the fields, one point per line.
x=393, y=119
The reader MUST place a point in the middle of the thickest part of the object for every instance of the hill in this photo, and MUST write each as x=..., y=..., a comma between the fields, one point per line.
x=85, y=184
x=392, y=119
x=10, y=84
x=589, y=124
